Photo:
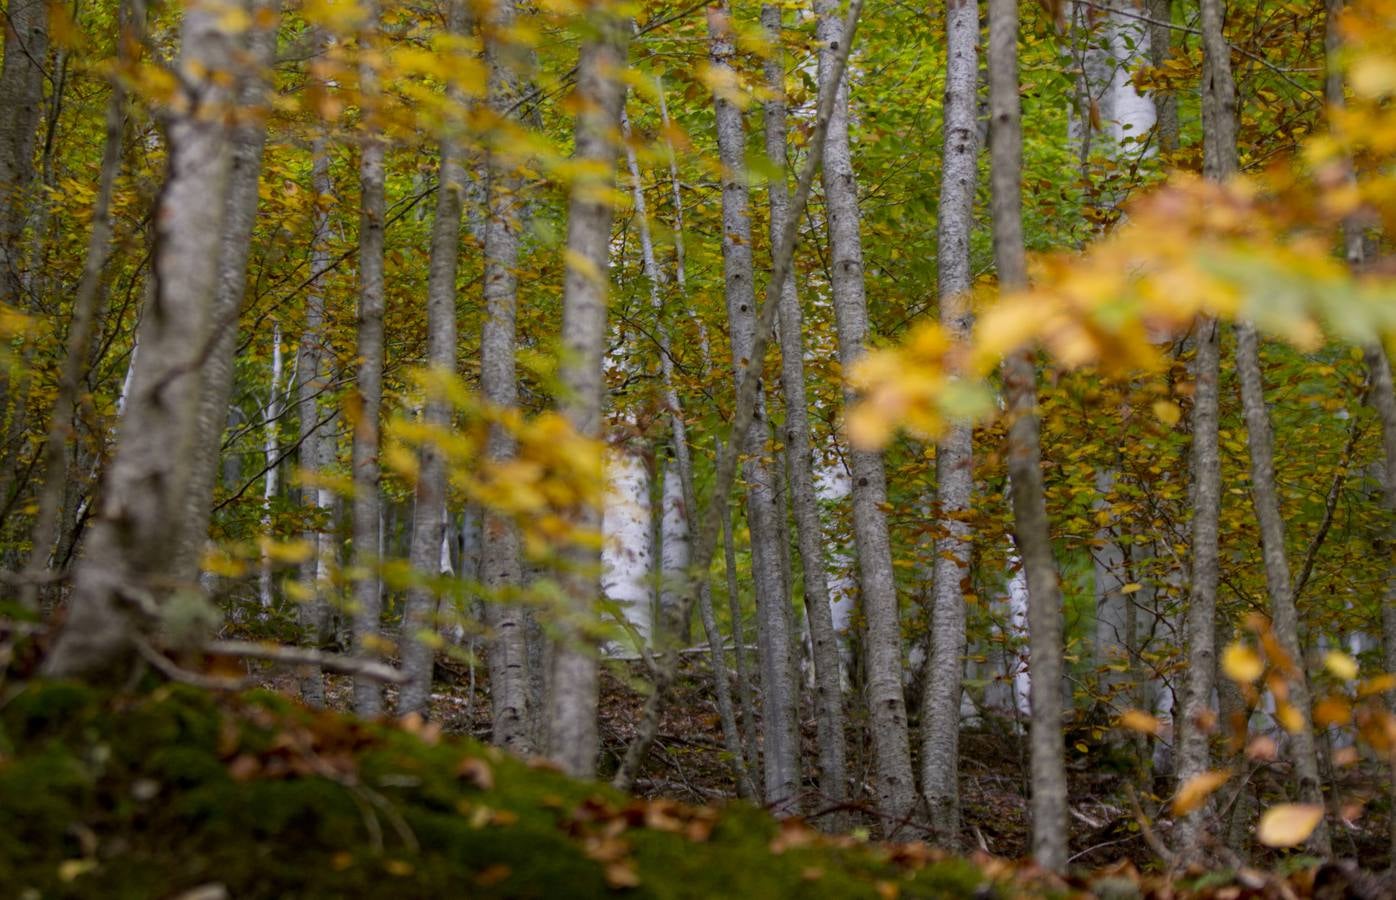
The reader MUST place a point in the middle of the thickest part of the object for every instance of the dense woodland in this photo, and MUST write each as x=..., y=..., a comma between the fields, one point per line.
x=886, y=400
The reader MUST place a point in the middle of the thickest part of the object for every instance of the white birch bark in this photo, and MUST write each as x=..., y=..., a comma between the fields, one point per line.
x=271, y=450
x=627, y=554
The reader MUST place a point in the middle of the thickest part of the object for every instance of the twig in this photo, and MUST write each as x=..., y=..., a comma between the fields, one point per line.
x=305, y=656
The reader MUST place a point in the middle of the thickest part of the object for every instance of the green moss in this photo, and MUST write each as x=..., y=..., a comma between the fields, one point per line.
x=114, y=797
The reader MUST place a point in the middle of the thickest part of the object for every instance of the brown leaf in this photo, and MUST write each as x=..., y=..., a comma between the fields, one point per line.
x=244, y=767
x=621, y=875
x=477, y=772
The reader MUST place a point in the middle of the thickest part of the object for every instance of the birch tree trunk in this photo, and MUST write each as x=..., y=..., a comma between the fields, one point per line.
x=896, y=787
x=1030, y=523
x=1219, y=162
x=367, y=512
x=22, y=97
x=127, y=562
x=419, y=631
x=572, y=731
x=799, y=453
x=940, y=710
x=271, y=451
x=775, y=620
x=500, y=572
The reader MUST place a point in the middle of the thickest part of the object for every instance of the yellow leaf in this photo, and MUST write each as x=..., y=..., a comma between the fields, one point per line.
x=1288, y=824
x=1197, y=789
x=1167, y=412
x=1241, y=663
x=1341, y=665
x=1138, y=720
x=1288, y=715
x=1132, y=588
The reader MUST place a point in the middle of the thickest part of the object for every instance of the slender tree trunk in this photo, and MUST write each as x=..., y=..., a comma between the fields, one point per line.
x=676, y=547
x=775, y=624
x=940, y=710
x=896, y=787
x=271, y=452
x=1219, y=163
x=25, y=30
x=62, y=430
x=572, y=733
x=127, y=562
x=429, y=513
x=1030, y=523
x=799, y=454
x=743, y=418
x=317, y=449
x=1277, y=579
x=500, y=572
x=216, y=389
x=1160, y=49
x=368, y=398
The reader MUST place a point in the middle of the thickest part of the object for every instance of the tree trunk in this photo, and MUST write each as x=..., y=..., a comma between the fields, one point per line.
x=22, y=98
x=940, y=710
x=679, y=496
x=775, y=625
x=1277, y=579
x=572, y=733
x=419, y=631
x=62, y=431
x=896, y=787
x=216, y=389
x=799, y=454
x=317, y=448
x=127, y=560
x=500, y=572
x=368, y=398
x=1030, y=523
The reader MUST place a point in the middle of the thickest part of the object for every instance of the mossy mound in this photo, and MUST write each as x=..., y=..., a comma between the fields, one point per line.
x=161, y=793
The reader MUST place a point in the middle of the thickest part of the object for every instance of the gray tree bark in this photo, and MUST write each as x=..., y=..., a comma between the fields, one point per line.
x=429, y=512
x=500, y=571
x=1219, y=162
x=368, y=398
x=572, y=733
x=677, y=559
x=316, y=445
x=775, y=625
x=216, y=389
x=1030, y=523
x=127, y=563
x=1284, y=613
x=799, y=453
x=22, y=97
x=940, y=709
x=62, y=430
x=896, y=786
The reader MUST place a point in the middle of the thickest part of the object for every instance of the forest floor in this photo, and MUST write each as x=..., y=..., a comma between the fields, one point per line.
x=1110, y=830
x=177, y=793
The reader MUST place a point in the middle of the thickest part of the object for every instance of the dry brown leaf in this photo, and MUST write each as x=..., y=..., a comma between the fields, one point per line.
x=1138, y=720
x=477, y=772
